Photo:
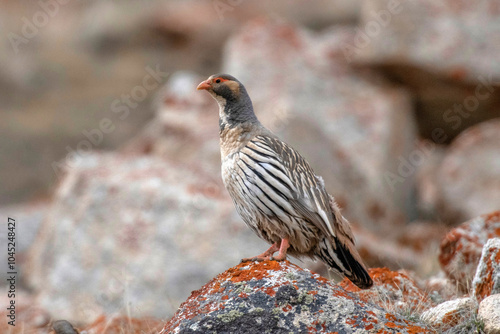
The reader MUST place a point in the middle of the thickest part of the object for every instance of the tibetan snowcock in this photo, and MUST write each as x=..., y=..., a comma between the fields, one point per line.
x=275, y=190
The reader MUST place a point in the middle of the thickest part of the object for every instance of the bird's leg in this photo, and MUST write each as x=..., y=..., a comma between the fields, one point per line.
x=266, y=256
x=282, y=254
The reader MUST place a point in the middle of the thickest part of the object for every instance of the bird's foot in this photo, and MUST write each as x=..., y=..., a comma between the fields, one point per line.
x=282, y=254
x=268, y=254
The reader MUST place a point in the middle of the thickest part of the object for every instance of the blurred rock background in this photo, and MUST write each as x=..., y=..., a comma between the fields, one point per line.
x=109, y=157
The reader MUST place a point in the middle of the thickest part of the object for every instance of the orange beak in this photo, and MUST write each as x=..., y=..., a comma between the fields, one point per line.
x=204, y=85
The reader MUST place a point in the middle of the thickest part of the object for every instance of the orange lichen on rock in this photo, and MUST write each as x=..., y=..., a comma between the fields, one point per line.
x=461, y=249
x=244, y=272
x=270, y=296
x=487, y=279
x=449, y=314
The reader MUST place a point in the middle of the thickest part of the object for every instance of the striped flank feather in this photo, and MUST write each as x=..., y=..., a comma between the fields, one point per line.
x=277, y=194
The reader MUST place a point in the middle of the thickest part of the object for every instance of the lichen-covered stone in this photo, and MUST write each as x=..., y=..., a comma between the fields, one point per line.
x=461, y=249
x=394, y=291
x=487, y=279
x=489, y=314
x=279, y=297
x=450, y=314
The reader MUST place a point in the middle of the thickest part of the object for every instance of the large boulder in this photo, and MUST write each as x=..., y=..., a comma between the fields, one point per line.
x=461, y=248
x=133, y=235
x=279, y=297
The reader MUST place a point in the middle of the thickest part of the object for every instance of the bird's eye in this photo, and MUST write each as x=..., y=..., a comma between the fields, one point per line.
x=218, y=80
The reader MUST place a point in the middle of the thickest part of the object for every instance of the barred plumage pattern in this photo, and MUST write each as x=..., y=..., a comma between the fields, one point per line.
x=277, y=194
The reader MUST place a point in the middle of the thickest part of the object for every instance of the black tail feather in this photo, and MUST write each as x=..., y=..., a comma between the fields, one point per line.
x=354, y=270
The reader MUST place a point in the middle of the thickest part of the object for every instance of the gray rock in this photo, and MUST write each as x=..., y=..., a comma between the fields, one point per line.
x=450, y=315
x=133, y=235
x=489, y=314
x=279, y=297
x=63, y=327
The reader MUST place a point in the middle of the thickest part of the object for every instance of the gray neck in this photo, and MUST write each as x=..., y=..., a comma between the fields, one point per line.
x=233, y=113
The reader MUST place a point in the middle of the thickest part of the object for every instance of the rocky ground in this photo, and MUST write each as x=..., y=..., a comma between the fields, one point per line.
x=402, y=124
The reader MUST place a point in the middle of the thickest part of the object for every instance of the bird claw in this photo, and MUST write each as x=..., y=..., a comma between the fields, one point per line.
x=268, y=255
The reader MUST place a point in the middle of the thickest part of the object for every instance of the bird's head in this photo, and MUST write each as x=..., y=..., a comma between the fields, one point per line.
x=235, y=106
x=222, y=86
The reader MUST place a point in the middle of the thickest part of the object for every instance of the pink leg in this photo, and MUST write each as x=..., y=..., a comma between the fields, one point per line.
x=266, y=256
x=282, y=254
